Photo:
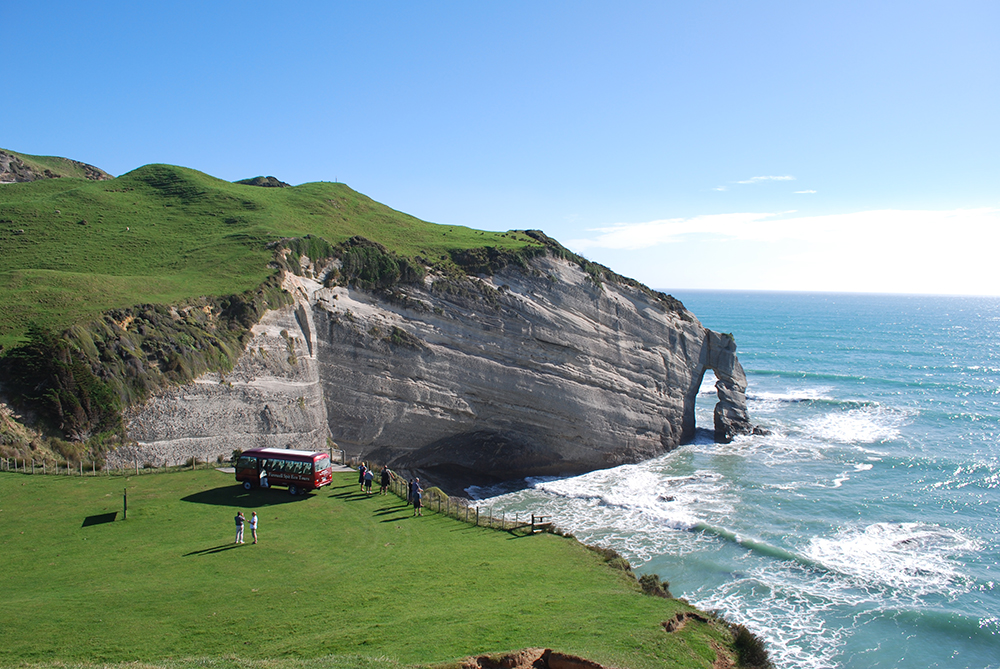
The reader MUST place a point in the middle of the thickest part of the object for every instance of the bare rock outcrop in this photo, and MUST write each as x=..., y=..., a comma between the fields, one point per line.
x=15, y=170
x=529, y=371
x=272, y=398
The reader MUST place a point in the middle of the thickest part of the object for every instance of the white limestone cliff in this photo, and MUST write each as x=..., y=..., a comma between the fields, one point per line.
x=526, y=372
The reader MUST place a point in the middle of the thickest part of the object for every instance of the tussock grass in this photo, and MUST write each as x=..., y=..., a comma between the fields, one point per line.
x=339, y=579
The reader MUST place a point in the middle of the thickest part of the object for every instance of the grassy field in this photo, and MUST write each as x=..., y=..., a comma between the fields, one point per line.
x=338, y=580
x=71, y=248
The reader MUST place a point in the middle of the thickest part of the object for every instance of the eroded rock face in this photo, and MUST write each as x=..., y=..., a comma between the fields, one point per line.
x=527, y=372
x=15, y=170
x=272, y=398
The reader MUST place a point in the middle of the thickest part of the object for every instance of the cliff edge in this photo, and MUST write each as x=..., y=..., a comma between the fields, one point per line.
x=528, y=370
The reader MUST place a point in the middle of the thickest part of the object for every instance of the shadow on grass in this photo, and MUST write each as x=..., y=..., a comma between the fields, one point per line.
x=351, y=496
x=390, y=509
x=235, y=495
x=100, y=519
x=213, y=549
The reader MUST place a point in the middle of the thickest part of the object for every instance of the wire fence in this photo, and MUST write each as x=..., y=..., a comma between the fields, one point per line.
x=467, y=511
x=81, y=468
x=433, y=499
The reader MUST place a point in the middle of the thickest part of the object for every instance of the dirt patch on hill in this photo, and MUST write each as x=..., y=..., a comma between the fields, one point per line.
x=680, y=620
x=531, y=658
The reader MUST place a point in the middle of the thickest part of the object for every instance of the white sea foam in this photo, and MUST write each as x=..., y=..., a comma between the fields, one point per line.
x=915, y=558
x=791, y=623
x=984, y=475
x=771, y=401
x=866, y=424
x=637, y=509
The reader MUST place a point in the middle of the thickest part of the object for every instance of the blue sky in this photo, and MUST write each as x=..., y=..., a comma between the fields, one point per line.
x=849, y=146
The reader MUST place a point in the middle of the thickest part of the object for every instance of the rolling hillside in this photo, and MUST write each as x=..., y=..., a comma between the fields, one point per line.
x=72, y=248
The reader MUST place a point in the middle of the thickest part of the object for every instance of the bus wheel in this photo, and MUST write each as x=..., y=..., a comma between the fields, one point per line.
x=247, y=485
x=293, y=490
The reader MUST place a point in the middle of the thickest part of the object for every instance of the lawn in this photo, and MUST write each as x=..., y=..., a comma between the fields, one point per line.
x=338, y=580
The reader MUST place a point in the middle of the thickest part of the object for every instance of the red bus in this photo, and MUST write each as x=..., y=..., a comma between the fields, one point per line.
x=301, y=471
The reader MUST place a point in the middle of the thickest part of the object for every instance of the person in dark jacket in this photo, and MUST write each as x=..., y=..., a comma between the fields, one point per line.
x=418, y=498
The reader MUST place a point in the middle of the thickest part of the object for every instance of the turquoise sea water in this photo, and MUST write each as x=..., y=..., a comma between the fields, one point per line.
x=865, y=530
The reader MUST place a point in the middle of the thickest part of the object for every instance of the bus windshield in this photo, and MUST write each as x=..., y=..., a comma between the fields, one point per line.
x=321, y=464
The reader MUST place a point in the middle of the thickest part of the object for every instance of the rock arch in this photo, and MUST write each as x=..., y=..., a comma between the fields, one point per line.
x=731, y=417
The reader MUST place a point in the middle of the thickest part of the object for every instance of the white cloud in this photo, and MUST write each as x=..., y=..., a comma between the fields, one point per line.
x=918, y=251
x=720, y=188
x=804, y=192
x=757, y=180
x=667, y=231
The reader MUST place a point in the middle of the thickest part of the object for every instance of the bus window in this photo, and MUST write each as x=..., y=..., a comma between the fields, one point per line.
x=246, y=463
x=321, y=464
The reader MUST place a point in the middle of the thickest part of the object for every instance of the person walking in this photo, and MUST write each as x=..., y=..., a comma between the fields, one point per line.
x=239, y=527
x=418, y=498
x=386, y=480
x=369, y=477
x=253, y=526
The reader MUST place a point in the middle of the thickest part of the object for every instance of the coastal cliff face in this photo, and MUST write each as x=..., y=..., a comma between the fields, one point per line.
x=526, y=372
x=272, y=398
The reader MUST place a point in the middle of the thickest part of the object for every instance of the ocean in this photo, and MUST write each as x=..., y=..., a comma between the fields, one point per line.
x=864, y=531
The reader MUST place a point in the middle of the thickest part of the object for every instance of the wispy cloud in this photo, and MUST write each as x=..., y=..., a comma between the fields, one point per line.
x=633, y=236
x=721, y=188
x=757, y=180
x=880, y=228
x=804, y=192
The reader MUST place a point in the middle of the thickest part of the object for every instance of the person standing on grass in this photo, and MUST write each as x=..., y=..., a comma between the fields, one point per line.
x=239, y=527
x=418, y=498
x=386, y=480
x=253, y=526
x=369, y=477
x=361, y=475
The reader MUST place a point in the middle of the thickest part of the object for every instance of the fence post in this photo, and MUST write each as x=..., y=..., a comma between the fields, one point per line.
x=477, y=516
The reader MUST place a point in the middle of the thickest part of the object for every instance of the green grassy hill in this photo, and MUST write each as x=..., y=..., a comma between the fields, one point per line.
x=338, y=580
x=71, y=248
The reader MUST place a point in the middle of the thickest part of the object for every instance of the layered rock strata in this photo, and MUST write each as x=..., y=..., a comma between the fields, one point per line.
x=527, y=372
x=273, y=397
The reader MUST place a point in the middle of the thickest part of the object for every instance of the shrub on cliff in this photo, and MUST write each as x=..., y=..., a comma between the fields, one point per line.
x=80, y=380
x=750, y=648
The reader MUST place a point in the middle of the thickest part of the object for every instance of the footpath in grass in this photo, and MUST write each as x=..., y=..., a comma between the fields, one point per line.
x=336, y=575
